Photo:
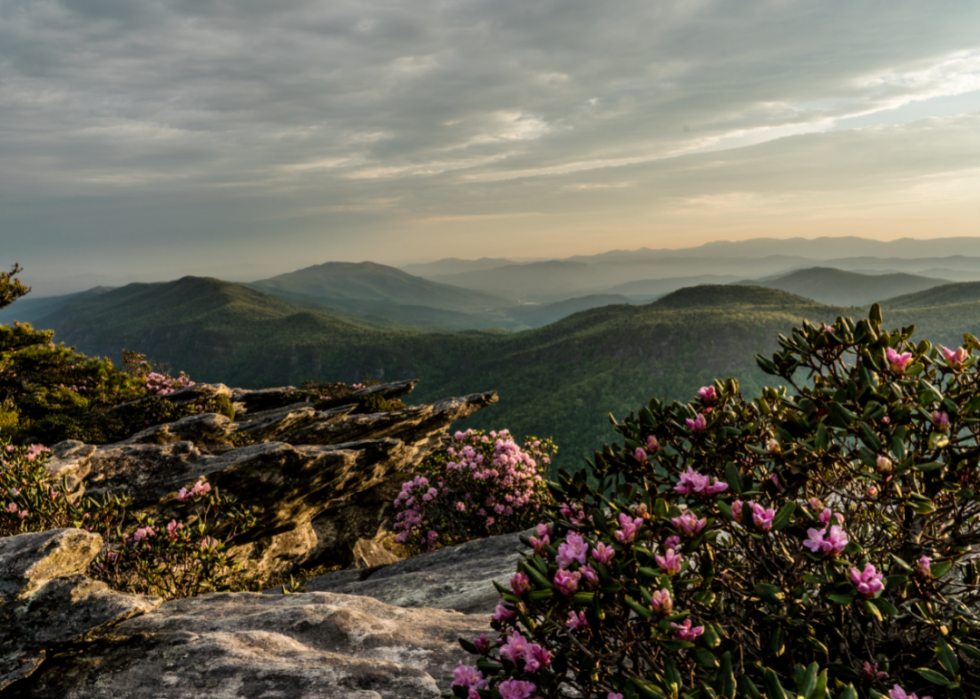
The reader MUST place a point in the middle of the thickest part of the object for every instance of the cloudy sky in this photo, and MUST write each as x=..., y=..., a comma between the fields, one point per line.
x=240, y=137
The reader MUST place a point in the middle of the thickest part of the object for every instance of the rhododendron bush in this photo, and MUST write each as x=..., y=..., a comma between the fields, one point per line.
x=480, y=485
x=817, y=541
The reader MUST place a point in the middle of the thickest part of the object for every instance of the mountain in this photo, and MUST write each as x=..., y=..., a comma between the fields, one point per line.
x=559, y=380
x=650, y=289
x=945, y=295
x=345, y=284
x=536, y=315
x=454, y=265
x=30, y=309
x=840, y=288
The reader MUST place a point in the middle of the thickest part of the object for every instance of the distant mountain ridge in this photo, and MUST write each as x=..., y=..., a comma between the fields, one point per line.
x=840, y=288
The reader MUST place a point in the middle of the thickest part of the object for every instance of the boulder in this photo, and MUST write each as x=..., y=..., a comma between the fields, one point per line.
x=456, y=577
x=245, y=645
x=47, y=605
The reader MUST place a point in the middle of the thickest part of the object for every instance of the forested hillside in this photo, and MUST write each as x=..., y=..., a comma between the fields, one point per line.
x=560, y=380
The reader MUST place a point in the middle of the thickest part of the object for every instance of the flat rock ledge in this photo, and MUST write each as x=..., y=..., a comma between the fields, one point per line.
x=250, y=646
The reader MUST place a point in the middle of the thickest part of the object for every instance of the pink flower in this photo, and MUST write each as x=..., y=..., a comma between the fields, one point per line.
x=629, y=529
x=573, y=550
x=868, y=581
x=684, y=632
x=514, y=647
x=502, y=614
x=482, y=644
x=737, y=511
x=640, y=455
x=762, y=517
x=941, y=420
x=672, y=542
x=670, y=562
x=467, y=676
x=707, y=394
x=12, y=507
x=653, y=446
x=576, y=620
x=871, y=672
x=143, y=533
x=955, y=358
x=897, y=692
x=698, y=424
x=661, y=602
x=924, y=566
x=826, y=515
x=603, y=554
x=898, y=361
x=614, y=695
x=173, y=528
x=536, y=657
x=834, y=543
x=519, y=584
x=567, y=582
x=689, y=524
x=516, y=689
x=694, y=483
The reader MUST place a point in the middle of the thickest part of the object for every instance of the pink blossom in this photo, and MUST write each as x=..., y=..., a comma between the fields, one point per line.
x=827, y=514
x=707, y=394
x=629, y=528
x=482, y=644
x=536, y=657
x=519, y=584
x=516, y=689
x=503, y=614
x=684, y=632
x=868, y=581
x=834, y=543
x=567, y=583
x=955, y=358
x=614, y=695
x=941, y=420
x=762, y=517
x=694, y=483
x=574, y=549
x=689, y=524
x=653, y=446
x=672, y=542
x=661, y=602
x=737, y=511
x=143, y=533
x=898, y=361
x=12, y=507
x=670, y=562
x=467, y=676
x=576, y=620
x=897, y=692
x=514, y=647
x=698, y=424
x=602, y=553
x=924, y=566
x=640, y=455
x=871, y=672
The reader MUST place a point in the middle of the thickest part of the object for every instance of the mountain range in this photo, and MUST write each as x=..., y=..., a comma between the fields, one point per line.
x=558, y=380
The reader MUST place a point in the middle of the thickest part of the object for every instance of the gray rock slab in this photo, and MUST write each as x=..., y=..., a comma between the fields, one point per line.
x=246, y=646
x=456, y=577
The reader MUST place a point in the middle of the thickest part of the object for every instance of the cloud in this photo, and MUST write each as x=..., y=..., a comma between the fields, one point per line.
x=144, y=124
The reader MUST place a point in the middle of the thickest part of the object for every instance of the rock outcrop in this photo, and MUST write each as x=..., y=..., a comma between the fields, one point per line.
x=456, y=577
x=320, y=483
x=46, y=603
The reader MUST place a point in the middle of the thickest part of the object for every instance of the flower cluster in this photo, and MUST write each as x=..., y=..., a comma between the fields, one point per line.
x=482, y=484
x=818, y=540
x=163, y=384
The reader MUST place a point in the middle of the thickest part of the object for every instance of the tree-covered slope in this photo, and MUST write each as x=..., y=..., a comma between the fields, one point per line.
x=945, y=295
x=338, y=283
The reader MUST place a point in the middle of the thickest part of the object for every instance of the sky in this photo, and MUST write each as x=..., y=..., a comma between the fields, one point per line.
x=244, y=138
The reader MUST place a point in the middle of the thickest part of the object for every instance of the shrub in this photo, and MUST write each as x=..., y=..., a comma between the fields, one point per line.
x=817, y=541
x=481, y=485
x=176, y=559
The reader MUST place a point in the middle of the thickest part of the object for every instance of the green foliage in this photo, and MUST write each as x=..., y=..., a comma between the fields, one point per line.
x=817, y=541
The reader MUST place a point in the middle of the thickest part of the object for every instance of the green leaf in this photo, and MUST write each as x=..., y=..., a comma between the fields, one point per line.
x=705, y=658
x=938, y=440
x=872, y=610
x=940, y=568
x=774, y=690
x=778, y=642
x=822, y=439
x=841, y=599
x=972, y=652
x=747, y=687
x=733, y=477
x=783, y=517
x=725, y=678
x=933, y=676
x=848, y=693
x=769, y=593
x=928, y=466
x=868, y=436
x=884, y=606
x=809, y=683
x=946, y=657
